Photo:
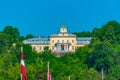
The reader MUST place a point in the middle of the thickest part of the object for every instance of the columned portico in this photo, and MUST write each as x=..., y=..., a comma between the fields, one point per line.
x=62, y=47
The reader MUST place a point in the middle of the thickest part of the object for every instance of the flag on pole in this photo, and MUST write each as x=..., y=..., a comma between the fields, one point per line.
x=48, y=74
x=22, y=66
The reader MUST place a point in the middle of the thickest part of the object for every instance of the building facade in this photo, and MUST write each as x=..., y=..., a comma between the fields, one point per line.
x=62, y=42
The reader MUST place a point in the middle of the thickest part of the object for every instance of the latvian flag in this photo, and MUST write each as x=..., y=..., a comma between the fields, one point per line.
x=48, y=74
x=22, y=67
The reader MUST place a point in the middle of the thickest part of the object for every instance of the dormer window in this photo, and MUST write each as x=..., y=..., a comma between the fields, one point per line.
x=63, y=29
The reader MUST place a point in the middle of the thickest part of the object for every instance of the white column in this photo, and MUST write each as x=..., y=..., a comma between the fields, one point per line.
x=57, y=48
x=67, y=47
x=64, y=48
x=60, y=48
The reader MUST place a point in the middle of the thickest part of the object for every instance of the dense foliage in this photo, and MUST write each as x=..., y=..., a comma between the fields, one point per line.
x=87, y=63
x=83, y=34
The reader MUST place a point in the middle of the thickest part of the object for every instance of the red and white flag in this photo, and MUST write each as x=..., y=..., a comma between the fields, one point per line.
x=48, y=74
x=22, y=67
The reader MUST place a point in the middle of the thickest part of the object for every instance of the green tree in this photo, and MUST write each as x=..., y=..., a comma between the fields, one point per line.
x=5, y=42
x=114, y=73
x=83, y=34
x=14, y=32
x=116, y=54
x=29, y=36
x=101, y=56
x=46, y=49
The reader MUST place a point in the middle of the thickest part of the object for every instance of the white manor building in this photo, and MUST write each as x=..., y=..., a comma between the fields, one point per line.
x=62, y=42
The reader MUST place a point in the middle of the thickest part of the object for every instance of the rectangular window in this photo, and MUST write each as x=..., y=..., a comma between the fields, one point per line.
x=72, y=47
x=72, y=41
x=62, y=41
x=52, y=41
x=58, y=41
x=53, y=48
x=40, y=48
x=67, y=41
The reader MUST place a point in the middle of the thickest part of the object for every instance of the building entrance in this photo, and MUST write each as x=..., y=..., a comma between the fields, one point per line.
x=62, y=47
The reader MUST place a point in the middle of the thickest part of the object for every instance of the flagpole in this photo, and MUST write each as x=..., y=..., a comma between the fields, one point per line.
x=21, y=49
x=22, y=65
x=21, y=76
x=69, y=77
x=48, y=70
x=48, y=65
x=48, y=73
